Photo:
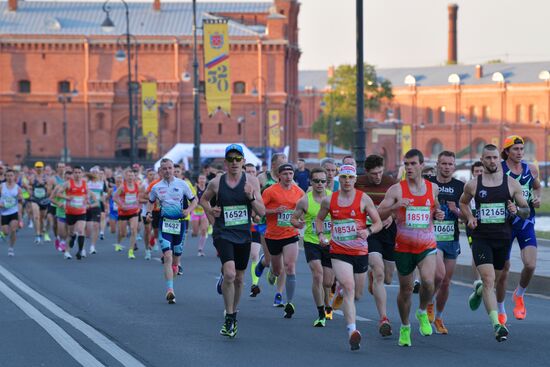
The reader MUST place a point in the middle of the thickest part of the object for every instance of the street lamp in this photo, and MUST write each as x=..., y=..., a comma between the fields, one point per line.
x=65, y=98
x=196, y=106
x=108, y=26
x=360, y=135
x=464, y=121
x=263, y=107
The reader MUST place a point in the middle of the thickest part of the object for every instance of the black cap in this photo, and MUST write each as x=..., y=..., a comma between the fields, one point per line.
x=286, y=167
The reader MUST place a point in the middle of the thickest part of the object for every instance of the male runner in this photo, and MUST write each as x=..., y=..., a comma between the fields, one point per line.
x=126, y=198
x=53, y=182
x=38, y=188
x=199, y=221
x=10, y=197
x=93, y=212
x=57, y=197
x=329, y=165
x=237, y=194
x=256, y=242
x=493, y=192
x=414, y=202
x=143, y=199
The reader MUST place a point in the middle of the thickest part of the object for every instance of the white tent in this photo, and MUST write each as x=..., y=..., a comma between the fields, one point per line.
x=184, y=152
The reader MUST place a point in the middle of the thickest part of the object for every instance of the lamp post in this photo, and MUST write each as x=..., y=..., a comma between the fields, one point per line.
x=108, y=26
x=360, y=135
x=65, y=98
x=196, y=106
x=263, y=109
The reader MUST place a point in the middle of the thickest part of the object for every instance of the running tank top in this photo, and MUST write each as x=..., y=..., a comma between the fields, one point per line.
x=415, y=230
x=75, y=204
x=97, y=189
x=526, y=180
x=9, y=199
x=40, y=192
x=346, y=221
x=310, y=232
x=130, y=199
x=492, y=216
x=199, y=210
x=233, y=224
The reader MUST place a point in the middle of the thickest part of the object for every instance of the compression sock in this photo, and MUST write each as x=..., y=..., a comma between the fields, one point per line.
x=493, y=315
x=255, y=279
x=290, y=285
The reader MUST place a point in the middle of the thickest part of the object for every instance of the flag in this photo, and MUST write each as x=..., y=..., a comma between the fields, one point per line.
x=274, y=128
x=149, y=114
x=216, y=66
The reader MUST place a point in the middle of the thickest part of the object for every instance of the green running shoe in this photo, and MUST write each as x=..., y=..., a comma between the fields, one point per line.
x=229, y=327
x=320, y=322
x=501, y=333
x=475, y=298
x=404, y=336
x=425, y=326
x=271, y=278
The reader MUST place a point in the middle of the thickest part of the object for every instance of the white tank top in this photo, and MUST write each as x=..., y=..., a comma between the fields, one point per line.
x=9, y=199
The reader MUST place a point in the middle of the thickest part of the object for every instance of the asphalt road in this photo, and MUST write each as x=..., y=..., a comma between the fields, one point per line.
x=108, y=310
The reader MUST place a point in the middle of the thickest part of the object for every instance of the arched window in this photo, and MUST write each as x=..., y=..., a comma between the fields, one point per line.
x=520, y=113
x=441, y=114
x=485, y=114
x=473, y=114
x=64, y=86
x=44, y=128
x=436, y=148
x=239, y=88
x=530, y=150
x=24, y=127
x=532, y=113
x=123, y=134
x=100, y=118
x=24, y=86
x=429, y=115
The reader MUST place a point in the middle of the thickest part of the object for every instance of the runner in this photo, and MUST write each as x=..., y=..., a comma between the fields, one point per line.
x=126, y=199
x=155, y=214
x=103, y=205
x=199, y=222
x=474, y=300
x=53, y=182
x=57, y=198
x=10, y=197
x=414, y=203
x=348, y=209
x=113, y=208
x=237, y=194
x=143, y=199
x=93, y=212
x=446, y=234
x=38, y=189
x=381, y=245
x=176, y=202
x=281, y=238
x=302, y=175
x=317, y=256
x=256, y=241
x=523, y=230
x=329, y=165
x=493, y=192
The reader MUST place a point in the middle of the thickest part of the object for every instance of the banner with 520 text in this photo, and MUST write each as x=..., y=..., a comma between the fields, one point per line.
x=216, y=65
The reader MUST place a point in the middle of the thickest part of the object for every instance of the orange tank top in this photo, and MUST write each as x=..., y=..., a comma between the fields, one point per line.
x=76, y=201
x=415, y=230
x=346, y=221
x=130, y=200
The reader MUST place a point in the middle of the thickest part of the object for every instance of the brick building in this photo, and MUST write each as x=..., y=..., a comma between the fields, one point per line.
x=48, y=48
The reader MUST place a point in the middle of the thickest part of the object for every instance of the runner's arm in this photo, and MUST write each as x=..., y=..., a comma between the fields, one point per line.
x=537, y=187
x=369, y=206
x=256, y=202
x=523, y=209
x=297, y=217
x=211, y=191
x=390, y=202
x=466, y=198
x=323, y=212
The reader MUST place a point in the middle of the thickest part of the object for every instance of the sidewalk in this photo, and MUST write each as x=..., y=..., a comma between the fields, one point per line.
x=540, y=282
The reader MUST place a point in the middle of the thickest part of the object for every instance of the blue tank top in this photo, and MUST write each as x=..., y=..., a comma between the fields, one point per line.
x=526, y=180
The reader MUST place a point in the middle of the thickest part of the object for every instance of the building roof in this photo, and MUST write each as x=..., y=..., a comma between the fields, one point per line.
x=525, y=72
x=313, y=146
x=85, y=17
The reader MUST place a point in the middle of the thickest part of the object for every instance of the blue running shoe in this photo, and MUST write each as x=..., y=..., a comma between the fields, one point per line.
x=219, y=284
x=260, y=267
x=278, y=301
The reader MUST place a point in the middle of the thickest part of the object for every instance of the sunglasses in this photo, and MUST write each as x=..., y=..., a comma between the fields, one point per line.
x=234, y=159
x=316, y=180
x=69, y=173
x=347, y=177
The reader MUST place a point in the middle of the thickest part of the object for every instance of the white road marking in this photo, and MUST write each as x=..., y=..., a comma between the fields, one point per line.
x=66, y=342
x=94, y=335
x=357, y=317
x=469, y=285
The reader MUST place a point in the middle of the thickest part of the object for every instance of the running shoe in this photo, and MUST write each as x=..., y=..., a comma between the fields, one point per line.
x=57, y=244
x=440, y=327
x=47, y=237
x=475, y=298
x=416, y=287
x=430, y=312
x=30, y=224
x=328, y=313
x=175, y=270
x=118, y=247
x=62, y=245
x=78, y=256
x=2, y=236
x=259, y=267
x=171, y=296
x=37, y=240
x=404, y=336
x=180, y=270
x=355, y=340
x=68, y=256
x=254, y=290
x=219, y=284
x=83, y=252
x=519, y=309
x=271, y=278
x=289, y=310
x=501, y=333
x=319, y=322
x=200, y=253
x=425, y=326
x=371, y=281
x=101, y=236
x=384, y=327
x=278, y=301
x=93, y=250
x=131, y=254
x=147, y=254
x=229, y=327
x=11, y=252
x=502, y=318
x=139, y=238
x=337, y=300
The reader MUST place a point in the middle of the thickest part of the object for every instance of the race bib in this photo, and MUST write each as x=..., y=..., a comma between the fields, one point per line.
x=444, y=230
x=492, y=213
x=526, y=192
x=97, y=194
x=235, y=215
x=344, y=230
x=327, y=226
x=115, y=207
x=417, y=216
x=10, y=202
x=283, y=219
x=39, y=192
x=171, y=226
x=130, y=199
x=77, y=201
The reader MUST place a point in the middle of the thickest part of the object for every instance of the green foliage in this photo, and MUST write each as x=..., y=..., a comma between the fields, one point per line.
x=340, y=102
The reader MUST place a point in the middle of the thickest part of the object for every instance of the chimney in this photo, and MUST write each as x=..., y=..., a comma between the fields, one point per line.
x=330, y=72
x=156, y=5
x=451, y=51
x=479, y=71
x=12, y=5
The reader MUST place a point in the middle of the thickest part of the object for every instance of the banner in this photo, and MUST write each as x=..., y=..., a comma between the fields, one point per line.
x=406, y=140
x=149, y=114
x=274, y=128
x=216, y=65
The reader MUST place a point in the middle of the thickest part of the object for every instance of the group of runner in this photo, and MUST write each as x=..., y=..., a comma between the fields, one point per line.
x=355, y=230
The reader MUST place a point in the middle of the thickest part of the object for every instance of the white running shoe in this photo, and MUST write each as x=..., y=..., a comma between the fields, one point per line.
x=147, y=254
x=68, y=256
x=11, y=252
x=83, y=252
x=92, y=250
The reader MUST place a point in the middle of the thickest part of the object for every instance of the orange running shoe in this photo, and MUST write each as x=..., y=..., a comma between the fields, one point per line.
x=371, y=280
x=502, y=318
x=337, y=300
x=519, y=309
x=384, y=327
x=440, y=327
x=430, y=312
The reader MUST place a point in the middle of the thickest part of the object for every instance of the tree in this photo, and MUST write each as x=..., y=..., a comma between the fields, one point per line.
x=340, y=102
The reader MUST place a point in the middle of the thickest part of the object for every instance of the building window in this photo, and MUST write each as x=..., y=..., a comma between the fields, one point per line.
x=44, y=128
x=239, y=129
x=64, y=86
x=473, y=114
x=24, y=127
x=532, y=112
x=429, y=115
x=485, y=114
x=520, y=117
x=100, y=118
x=398, y=113
x=200, y=127
x=239, y=88
x=437, y=148
x=220, y=128
x=24, y=86
x=479, y=148
x=529, y=150
x=442, y=110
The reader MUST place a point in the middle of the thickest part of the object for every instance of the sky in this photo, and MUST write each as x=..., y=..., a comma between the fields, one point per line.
x=411, y=33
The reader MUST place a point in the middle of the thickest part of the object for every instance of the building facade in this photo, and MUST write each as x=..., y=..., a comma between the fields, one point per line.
x=48, y=49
